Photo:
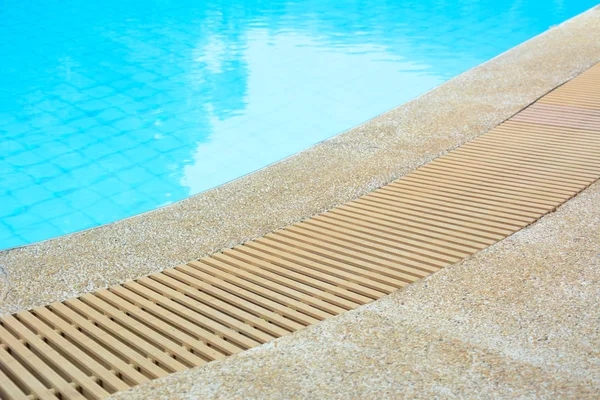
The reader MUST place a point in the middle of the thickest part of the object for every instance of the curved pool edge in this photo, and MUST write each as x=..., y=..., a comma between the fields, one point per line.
x=342, y=168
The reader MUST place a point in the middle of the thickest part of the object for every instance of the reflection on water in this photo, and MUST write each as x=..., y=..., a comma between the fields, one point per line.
x=113, y=108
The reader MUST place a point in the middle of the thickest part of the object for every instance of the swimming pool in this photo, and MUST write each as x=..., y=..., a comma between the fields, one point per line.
x=110, y=109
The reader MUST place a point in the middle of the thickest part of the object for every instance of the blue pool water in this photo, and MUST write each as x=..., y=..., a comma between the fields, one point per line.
x=112, y=108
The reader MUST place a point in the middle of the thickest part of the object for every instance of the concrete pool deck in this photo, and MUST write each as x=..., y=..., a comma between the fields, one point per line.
x=341, y=169
x=517, y=320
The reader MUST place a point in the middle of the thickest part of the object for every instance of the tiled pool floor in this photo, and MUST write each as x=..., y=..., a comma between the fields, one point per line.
x=110, y=109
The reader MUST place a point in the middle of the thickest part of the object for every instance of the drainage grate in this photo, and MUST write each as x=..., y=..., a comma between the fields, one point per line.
x=110, y=340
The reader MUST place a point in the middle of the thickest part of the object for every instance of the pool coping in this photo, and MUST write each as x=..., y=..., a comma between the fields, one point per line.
x=342, y=168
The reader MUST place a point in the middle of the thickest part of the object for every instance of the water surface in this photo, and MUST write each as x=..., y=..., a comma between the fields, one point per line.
x=116, y=107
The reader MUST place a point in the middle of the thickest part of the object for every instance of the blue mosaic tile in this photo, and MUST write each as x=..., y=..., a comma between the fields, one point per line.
x=153, y=187
x=93, y=107
x=80, y=81
x=13, y=179
x=14, y=241
x=40, y=231
x=70, y=94
x=115, y=162
x=9, y=205
x=74, y=222
x=109, y=186
x=83, y=123
x=51, y=208
x=172, y=125
x=70, y=160
x=122, y=141
x=82, y=198
x=111, y=115
x=9, y=147
x=16, y=129
x=35, y=139
x=104, y=212
x=135, y=175
x=102, y=132
x=123, y=85
x=80, y=140
x=140, y=155
x=165, y=144
x=52, y=149
x=117, y=99
x=145, y=76
x=24, y=158
x=140, y=93
x=99, y=92
x=41, y=172
x=6, y=118
x=133, y=107
x=133, y=198
x=61, y=184
x=59, y=132
x=21, y=220
x=52, y=105
x=96, y=151
x=5, y=232
x=44, y=120
x=107, y=77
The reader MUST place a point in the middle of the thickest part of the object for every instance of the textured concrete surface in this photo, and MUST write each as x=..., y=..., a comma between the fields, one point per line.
x=517, y=320
x=317, y=179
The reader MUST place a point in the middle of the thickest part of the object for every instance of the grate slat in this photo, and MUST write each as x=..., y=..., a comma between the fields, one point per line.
x=9, y=389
